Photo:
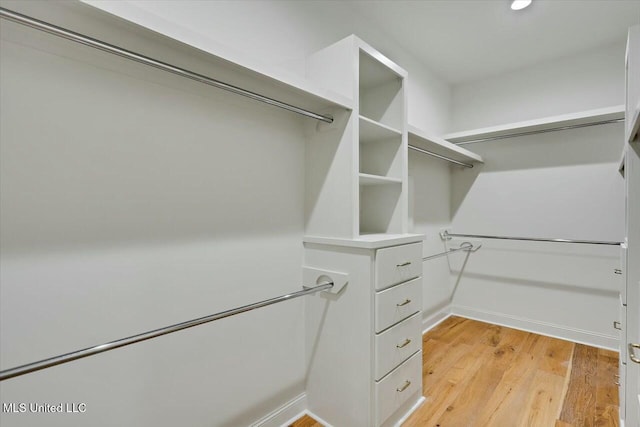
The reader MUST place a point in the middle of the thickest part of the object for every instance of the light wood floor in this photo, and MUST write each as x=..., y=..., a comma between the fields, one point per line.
x=477, y=374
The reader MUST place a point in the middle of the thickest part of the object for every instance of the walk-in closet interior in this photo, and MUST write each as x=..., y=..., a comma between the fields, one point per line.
x=319, y=213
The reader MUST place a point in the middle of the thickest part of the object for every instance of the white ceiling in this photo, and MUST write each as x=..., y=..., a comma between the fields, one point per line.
x=463, y=40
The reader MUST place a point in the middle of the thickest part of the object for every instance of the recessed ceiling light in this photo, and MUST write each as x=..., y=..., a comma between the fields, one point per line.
x=520, y=4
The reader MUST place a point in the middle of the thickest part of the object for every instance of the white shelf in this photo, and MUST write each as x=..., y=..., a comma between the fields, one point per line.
x=580, y=118
x=622, y=159
x=368, y=179
x=367, y=241
x=371, y=131
x=136, y=29
x=421, y=139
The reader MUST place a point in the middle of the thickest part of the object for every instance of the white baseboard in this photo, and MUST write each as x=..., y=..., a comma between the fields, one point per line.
x=609, y=342
x=435, y=319
x=285, y=414
x=415, y=406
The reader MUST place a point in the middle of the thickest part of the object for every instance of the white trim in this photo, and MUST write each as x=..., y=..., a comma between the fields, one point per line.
x=317, y=418
x=415, y=406
x=435, y=319
x=284, y=414
x=581, y=336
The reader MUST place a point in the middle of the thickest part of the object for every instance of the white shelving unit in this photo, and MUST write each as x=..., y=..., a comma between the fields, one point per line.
x=381, y=143
x=357, y=221
x=552, y=122
x=421, y=139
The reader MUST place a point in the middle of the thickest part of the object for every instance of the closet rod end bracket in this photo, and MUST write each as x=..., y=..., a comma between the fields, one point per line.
x=312, y=277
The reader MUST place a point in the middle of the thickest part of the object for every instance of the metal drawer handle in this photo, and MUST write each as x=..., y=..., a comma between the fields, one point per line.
x=617, y=271
x=632, y=354
x=404, y=264
x=407, y=383
x=617, y=325
x=404, y=344
x=407, y=301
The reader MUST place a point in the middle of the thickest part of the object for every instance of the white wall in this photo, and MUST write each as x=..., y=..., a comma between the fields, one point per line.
x=585, y=81
x=132, y=200
x=562, y=184
x=430, y=212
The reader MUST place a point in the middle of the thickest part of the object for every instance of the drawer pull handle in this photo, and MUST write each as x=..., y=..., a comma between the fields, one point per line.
x=407, y=301
x=404, y=344
x=617, y=383
x=632, y=353
x=404, y=264
x=407, y=383
x=617, y=271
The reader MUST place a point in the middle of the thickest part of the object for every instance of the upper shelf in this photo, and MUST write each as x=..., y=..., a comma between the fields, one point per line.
x=137, y=30
x=580, y=118
x=421, y=139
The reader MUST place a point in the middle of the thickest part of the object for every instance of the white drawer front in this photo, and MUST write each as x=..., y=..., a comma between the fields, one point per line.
x=396, y=344
x=394, y=389
x=398, y=264
x=397, y=303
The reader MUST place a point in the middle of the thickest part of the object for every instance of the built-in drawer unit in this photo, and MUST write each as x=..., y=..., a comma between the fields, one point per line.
x=397, y=264
x=397, y=303
x=395, y=345
x=394, y=389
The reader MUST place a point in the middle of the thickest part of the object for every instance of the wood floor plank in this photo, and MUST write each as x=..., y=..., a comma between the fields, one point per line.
x=544, y=401
x=557, y=356
x=465, y=409
x=306, y=421
x=510, y=396
x=437, y=366
x=445, y=389
x=580, y=401
x=606, y=409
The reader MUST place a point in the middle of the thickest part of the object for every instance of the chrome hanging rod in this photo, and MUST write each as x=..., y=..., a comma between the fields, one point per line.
x=533, y=132
x=79, y=354
x=127, y=54
x=466, y=246
x=448, y=159
x=446, y=236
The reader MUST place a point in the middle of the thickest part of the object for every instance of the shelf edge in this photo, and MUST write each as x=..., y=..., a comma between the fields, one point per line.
x=442, y=146
x=581, y=117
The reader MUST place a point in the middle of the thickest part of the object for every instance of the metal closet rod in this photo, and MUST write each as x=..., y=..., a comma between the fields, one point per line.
x=133, y=56
x=466, y=246
x=447, y=235
x=79, y=354
x=534, y=132
x=448, y=159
